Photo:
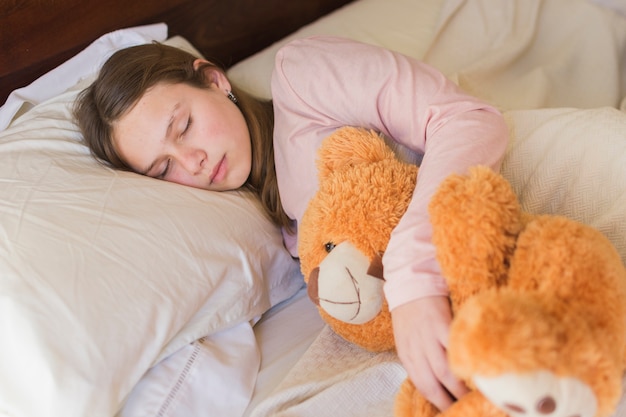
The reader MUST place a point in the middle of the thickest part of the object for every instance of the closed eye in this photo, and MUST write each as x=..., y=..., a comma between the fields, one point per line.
x=168, y=163
x=189, y=121
x=165, y=170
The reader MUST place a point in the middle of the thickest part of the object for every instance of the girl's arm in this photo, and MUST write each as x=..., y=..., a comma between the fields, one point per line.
x=324, y=83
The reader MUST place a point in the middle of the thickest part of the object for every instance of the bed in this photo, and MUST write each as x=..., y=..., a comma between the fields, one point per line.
x=126, y=296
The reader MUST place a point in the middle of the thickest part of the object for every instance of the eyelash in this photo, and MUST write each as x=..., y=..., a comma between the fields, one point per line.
x=164, y=172
x=188, y=125
x=167, y=164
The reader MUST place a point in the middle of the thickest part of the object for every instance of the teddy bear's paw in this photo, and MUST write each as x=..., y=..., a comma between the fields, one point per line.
x=410, y=403
x=538, y=394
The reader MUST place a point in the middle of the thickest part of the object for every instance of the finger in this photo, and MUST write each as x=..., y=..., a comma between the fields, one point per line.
x=426, y=382
x=434, y=392
x=455, y=386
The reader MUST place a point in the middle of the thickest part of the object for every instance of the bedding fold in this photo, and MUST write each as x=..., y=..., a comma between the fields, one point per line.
x=330, y=371
x=527, y=54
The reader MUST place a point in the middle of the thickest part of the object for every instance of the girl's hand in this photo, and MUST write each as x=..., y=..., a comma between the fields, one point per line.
x=421, y=330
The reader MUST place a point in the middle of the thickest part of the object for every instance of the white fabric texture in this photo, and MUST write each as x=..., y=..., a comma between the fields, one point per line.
x=570, y=162
x=527, y=54
x=284, y=334
x=618, y=6
x=211, y=376
x=105, y=273
x=335, y=377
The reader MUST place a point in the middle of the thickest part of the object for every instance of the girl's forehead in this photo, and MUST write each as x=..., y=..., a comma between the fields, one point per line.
x=159, y=100
x=142, y=128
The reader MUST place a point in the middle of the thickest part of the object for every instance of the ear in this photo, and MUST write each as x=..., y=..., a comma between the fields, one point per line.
x=349, y=146
x=213, y=75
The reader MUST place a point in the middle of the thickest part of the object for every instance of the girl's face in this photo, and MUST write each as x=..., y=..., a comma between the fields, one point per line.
x=187, y=135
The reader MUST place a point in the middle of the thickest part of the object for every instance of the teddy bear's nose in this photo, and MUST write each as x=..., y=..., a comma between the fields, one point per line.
x=312, y=286
x=546, y=405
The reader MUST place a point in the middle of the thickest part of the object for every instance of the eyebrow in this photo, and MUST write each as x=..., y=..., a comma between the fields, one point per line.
x=168, y=130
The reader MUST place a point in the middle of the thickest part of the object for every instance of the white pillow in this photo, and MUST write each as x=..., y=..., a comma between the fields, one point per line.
x=104, y=273
x=406, y=26
x=571, y=162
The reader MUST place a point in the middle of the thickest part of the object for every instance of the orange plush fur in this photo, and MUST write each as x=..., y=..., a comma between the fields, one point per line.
x=539, y=302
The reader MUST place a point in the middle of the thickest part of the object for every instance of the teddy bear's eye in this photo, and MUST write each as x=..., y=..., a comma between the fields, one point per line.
x=329, y=246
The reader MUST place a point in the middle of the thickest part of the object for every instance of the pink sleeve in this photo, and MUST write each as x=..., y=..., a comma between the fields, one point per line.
x=320, y=84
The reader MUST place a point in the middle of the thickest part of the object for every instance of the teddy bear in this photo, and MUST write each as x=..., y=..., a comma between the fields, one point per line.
x=538, y=301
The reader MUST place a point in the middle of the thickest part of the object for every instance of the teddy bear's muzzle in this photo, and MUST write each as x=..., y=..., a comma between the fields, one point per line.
x=347, y=285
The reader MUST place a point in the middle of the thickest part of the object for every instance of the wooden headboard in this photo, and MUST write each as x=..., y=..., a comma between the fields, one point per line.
x=38, y=35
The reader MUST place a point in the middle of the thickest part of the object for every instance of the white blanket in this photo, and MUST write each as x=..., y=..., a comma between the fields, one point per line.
x=336, y=378
x=529, y=54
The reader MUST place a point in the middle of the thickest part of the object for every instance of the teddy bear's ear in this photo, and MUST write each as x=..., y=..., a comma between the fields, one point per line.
x=350, y=146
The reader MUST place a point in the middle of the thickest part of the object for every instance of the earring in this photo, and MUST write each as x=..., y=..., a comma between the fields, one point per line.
x=232, y=97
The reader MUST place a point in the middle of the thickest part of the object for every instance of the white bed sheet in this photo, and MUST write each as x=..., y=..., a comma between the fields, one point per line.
x=283, y=334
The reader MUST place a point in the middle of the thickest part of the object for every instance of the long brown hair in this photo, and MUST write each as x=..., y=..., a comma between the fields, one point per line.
x=130, y=72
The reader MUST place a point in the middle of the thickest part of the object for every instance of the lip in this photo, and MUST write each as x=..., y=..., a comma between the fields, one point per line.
x=219, y=171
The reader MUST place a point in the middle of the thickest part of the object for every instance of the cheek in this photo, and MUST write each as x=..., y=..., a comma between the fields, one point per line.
x=244, y=146
x=180, y=176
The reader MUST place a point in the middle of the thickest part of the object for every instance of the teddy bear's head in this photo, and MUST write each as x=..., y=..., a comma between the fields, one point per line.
x=363, y=191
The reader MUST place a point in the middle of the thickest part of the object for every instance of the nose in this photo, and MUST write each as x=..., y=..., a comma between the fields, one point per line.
x=192, y=160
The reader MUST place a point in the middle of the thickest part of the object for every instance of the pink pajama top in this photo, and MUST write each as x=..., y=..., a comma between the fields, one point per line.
x=321, y=84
